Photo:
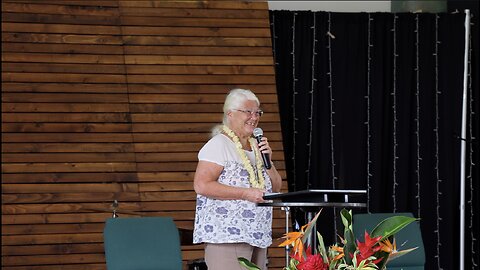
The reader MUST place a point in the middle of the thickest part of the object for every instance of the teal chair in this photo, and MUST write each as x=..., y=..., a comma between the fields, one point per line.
x=408, y=237
x=144, y=243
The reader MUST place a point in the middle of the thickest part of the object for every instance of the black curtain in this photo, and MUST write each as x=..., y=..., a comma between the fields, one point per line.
x=373, y=101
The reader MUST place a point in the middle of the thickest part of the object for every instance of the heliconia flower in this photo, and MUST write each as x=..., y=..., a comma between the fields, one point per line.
x=368, y=248
x=377, y=260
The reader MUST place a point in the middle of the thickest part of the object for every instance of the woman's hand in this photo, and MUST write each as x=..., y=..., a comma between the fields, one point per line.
x=206, y=183
x=275, y=177
x=254, y=195
x=265, y=148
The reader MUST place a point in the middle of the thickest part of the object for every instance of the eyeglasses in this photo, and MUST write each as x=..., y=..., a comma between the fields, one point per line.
x=251, y=113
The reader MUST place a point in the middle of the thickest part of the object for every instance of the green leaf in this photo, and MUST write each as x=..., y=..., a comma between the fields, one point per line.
x=309, y=228
x=387, y=229
x=247, y=264
x=383, y=262
x=349, y=237
x=293, y=265
x=321, y=247
x=390, y=226
x=346, y=217
x=307, y=233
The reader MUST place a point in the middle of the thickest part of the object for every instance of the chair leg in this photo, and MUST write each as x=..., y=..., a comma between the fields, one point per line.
x=197, y=264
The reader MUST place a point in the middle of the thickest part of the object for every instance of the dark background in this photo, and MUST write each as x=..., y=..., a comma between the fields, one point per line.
x=354, y=118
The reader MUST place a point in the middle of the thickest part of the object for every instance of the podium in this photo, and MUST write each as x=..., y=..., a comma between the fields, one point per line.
x=311, y=200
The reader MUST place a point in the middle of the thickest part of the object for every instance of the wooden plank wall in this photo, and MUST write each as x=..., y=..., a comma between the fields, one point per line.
x=111, y=100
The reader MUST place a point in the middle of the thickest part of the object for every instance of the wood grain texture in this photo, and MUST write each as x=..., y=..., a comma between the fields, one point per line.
x=111, y=100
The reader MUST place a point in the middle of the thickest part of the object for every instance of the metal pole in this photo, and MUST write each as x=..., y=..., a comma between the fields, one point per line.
x=463, y=142
x=287, y=247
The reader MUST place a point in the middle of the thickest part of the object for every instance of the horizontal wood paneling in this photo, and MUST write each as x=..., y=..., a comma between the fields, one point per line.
x=194, y=22
x=199, y=50
x=44, y=8
x=61, y=49
x=111, y=100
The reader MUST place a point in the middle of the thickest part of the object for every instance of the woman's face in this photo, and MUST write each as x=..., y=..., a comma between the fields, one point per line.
x=244, y=119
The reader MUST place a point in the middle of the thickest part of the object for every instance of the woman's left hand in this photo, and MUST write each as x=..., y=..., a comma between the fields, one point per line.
x=264, y=147
x=275, y=177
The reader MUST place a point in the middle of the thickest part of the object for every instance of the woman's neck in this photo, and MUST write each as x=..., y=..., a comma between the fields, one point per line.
x=243, y=140
x=245, y=143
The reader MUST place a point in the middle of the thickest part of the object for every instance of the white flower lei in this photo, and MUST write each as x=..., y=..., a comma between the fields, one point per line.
x=256, y=181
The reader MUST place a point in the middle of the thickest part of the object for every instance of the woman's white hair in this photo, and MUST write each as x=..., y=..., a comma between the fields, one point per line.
x=234, y=100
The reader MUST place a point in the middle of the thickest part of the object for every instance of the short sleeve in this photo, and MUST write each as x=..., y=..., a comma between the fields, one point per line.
x=214, y=151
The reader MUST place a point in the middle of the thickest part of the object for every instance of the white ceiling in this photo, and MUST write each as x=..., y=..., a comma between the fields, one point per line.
x=333, y=6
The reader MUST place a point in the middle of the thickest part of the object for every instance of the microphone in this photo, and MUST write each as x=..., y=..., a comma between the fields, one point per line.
x=258, y=134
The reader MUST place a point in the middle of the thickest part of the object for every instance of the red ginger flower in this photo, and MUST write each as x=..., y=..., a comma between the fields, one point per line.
x=313, y=262
x=299, y=256
x=368, y=248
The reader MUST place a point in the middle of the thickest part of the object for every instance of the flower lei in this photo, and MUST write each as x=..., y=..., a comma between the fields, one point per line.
x=256, y=181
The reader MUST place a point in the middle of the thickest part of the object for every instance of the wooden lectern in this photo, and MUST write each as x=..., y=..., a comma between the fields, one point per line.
x=310, y=201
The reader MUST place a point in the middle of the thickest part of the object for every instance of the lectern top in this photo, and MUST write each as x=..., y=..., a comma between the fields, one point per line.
x=308, y=194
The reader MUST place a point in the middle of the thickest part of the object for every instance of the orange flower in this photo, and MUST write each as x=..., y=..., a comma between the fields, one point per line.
x=291, y=237
x=295, y=239
x=388, y=247
x=340, y=252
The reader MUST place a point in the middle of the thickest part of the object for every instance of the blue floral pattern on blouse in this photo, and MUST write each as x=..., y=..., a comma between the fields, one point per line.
x=233, y=221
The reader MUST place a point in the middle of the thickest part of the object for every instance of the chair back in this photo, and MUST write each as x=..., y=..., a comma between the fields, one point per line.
x=408, y=237
x=142, y=244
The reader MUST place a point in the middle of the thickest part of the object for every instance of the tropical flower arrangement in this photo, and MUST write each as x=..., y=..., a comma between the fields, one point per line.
x=377, y=249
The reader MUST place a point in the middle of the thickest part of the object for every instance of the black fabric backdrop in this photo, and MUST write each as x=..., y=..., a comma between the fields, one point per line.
x=349, y=118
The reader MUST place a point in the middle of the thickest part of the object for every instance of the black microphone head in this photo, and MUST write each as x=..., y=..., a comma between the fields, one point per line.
x=257, y=132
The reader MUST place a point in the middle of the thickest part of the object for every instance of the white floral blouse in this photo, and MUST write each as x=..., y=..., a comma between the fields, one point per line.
x=231, y=221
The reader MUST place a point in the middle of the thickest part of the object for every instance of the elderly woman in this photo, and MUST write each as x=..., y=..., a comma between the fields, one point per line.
x=229, y=181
